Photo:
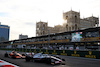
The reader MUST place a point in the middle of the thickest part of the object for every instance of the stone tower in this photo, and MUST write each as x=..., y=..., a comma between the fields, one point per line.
x=72, y=20
x=41, y=28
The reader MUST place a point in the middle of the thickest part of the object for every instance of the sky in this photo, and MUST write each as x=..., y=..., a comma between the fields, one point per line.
x=22, y=15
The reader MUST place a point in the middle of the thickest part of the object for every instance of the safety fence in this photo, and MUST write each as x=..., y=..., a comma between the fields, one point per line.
x=76, y=53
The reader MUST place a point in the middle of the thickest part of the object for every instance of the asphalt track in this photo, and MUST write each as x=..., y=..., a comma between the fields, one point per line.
x=70, y=62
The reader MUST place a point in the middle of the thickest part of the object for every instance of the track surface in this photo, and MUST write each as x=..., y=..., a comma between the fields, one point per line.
x=70, y=62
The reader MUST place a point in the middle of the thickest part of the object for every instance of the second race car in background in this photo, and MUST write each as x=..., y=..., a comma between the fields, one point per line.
x=14, y=54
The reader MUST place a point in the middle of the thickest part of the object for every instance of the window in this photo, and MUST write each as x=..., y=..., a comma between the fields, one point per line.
x=75, y=26
x=37, y=28
x=66, y=17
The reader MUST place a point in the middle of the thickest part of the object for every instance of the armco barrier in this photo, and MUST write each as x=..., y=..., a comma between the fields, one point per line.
x=76, y=53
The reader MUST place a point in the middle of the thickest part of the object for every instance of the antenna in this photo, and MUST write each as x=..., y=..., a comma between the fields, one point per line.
x=63, y=11
x=79, y=11
x=71, y=8
x=92, y=15
x=83, y=17
x=98, y=16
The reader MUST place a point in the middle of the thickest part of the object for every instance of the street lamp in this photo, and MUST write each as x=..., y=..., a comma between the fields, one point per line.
x=98, y=43
x=48, y=38
x=12, y=44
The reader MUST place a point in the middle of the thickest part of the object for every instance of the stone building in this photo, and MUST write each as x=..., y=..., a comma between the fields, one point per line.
x=41, y=28
x=89, y=22
x=23, y=36
x=72, y=21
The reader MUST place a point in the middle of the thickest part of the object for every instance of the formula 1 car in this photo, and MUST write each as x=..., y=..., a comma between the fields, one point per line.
x=45, y=58
x=14, y=54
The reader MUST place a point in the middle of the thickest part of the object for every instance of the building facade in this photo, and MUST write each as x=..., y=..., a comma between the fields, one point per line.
x=72, y=21
x=89, y=22
x=41, y=28
x=23, y=36
x=4, y=33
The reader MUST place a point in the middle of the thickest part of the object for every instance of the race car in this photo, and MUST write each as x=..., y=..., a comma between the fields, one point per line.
x=14, y=54
x=29, y=56
x=46, y=58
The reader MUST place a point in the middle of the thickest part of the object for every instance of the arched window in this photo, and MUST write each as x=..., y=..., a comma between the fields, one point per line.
x=66, y=17
x=75, y=26
x=69, y=28
x=75, y=19
x=43, y=32
x=72, y=27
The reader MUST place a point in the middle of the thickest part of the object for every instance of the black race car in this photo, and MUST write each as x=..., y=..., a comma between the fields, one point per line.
x=45, y=58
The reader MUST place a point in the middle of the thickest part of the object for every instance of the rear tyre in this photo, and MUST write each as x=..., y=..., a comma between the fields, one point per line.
x=23, y=54
x=27, y=59
x=6, y=55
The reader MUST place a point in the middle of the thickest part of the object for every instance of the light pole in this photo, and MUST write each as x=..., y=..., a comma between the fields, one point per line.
x=48, y=38
x=12, y=44
x=98, y=43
